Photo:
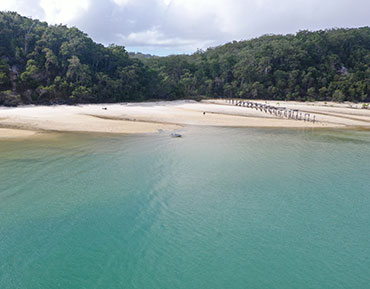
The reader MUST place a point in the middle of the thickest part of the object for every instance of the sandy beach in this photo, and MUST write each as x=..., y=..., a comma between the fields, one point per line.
x=129, y=118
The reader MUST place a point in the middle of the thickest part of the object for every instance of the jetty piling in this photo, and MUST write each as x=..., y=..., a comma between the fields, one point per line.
x=282, y=112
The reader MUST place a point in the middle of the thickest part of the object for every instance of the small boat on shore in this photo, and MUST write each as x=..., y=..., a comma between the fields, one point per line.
x=175, y=135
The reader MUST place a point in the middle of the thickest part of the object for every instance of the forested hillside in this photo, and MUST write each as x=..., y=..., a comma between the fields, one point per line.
x=56, y=64
x=322, y=65
x=46, y=64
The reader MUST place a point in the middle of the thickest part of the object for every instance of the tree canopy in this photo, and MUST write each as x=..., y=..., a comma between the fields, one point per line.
x=322, y=65
x=48, y=64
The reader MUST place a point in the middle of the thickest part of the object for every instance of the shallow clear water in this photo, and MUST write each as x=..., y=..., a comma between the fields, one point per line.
x=218, y=208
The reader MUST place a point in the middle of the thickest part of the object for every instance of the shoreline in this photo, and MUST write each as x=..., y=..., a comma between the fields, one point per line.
x=10, y=133
x=151, y=117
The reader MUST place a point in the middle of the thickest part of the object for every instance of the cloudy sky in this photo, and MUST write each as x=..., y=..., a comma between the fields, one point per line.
x=164, y=27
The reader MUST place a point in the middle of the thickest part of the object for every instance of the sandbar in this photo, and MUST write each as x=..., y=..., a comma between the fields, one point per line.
x=151, y=117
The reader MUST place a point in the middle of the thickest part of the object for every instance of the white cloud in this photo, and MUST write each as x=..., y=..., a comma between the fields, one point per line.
x=154, y=37
x=8, y=5
x=121, y=2
x=63, y=11
x=29, y=8
x=184, y=25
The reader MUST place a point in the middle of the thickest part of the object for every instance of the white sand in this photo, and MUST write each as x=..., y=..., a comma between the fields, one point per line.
x=15, y=133
x=155, y=116
x=328, y=114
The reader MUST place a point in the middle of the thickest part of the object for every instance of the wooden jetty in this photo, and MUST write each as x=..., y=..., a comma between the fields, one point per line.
x=282, y=112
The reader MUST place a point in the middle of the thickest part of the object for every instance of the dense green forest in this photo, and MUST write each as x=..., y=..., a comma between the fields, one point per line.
x=48, y=64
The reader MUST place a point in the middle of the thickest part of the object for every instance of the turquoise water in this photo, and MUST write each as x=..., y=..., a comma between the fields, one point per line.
x=218, y=208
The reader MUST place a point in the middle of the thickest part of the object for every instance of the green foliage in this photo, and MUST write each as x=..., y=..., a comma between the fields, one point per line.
x=4, y=80
x=338, y=96
x=322, y=65
x=55, y=64
x=31, y=77
x=9, y=98
x=82, y=94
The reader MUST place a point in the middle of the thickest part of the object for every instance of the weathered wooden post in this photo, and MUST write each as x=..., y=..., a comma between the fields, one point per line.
x=296, y=114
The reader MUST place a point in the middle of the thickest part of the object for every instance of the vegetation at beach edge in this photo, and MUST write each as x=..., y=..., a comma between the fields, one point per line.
x=50, y=64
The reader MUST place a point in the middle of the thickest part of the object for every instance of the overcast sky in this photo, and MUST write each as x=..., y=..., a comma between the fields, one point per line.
x=164, y=27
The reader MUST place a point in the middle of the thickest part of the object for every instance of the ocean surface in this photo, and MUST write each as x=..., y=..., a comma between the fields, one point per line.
x=217, y=208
